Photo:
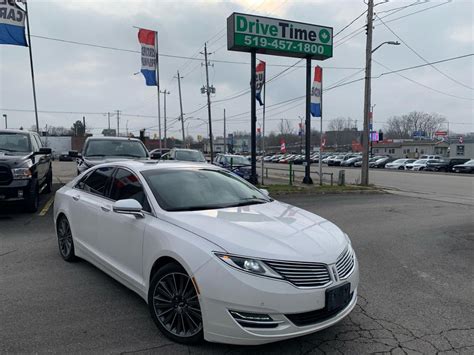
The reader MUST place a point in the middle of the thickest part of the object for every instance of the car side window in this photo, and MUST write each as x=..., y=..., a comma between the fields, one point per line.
x=126, y=185
x=34, y=143
x=97, y=181
x=38, y=140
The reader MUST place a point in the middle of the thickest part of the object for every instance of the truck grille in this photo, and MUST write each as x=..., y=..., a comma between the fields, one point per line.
x=345, y=263
x=302, y=274
x=5, y=175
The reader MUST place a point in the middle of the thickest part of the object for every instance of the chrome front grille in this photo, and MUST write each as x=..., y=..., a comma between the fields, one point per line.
x=302, y=274
x=345, y=263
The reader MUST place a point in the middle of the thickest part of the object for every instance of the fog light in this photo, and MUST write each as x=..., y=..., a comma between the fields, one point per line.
x=20, y=193
x=251, y=316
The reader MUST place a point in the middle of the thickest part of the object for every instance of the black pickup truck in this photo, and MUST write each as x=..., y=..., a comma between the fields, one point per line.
x=25, y=168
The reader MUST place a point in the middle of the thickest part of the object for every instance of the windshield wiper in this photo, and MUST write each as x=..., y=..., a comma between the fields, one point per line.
x=7, y=150
x=195, y=208
x=249, y=201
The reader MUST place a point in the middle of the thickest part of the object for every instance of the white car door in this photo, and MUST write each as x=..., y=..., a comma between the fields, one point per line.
x=87, y=197
x=121, y=235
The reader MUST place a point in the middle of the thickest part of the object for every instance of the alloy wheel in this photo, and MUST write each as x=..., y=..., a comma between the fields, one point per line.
x=64, y=237
x=176, y=305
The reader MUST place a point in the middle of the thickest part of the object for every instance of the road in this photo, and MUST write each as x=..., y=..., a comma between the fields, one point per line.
x=415, y=292
x=446, y=187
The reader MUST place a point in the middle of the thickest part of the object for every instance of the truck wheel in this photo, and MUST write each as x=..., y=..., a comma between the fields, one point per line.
x=32, y=200
x=49, y=183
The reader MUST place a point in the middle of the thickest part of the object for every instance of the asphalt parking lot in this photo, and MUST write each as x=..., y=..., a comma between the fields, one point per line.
x=416, y=290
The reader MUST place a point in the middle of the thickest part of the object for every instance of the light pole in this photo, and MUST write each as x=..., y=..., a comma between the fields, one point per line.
x=368, y=93
x=6, y=122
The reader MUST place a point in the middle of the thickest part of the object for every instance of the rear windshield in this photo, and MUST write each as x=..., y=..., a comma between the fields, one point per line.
x=115, y=148
x=190, y=155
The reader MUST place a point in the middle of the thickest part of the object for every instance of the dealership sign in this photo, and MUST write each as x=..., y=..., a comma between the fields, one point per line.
x=247, y=33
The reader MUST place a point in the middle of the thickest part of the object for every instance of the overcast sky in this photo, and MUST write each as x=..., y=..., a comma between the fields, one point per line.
x=77, y=78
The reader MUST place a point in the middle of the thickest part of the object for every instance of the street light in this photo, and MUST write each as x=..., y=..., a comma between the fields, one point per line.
x=393, y=43
x=367, y=96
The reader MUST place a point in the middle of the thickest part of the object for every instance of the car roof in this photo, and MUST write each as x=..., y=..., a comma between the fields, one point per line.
x=113, y=139
x=15, y=131
x=144, y=165
x=186, y=150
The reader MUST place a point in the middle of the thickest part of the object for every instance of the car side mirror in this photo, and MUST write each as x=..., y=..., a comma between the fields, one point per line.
x=128, y=206
x=155, y=156
x=74, y=154
x=45, y=151
x=265, y=192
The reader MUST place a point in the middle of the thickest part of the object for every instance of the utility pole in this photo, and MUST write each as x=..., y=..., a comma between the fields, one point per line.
x=225, y=136
x=181, y=105
x=118, y=123
x=307, y=169
x=208, y=92
x=31, y=66
x=84, y=124
x=367, y=93
x=108, y=120
x=164, y=92
x=253, y=117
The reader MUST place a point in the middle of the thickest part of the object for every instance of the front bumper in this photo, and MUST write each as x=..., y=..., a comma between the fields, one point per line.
x=16, y=190
x=225, y=289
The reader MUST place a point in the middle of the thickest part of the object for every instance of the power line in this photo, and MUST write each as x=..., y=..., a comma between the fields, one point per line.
x=350, y=23
x=423, y=58
x=421, y=84
x=426, y=64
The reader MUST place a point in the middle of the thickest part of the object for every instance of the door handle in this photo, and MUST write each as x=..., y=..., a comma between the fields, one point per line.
x=76, y=197
x=105, y=208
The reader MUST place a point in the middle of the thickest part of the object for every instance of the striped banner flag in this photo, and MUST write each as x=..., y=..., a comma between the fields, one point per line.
x=316, y=92
x=12, y=24
x=148, y=42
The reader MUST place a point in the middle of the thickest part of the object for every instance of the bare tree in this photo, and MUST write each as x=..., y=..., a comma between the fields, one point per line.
x=340, y=124
x=284, y=128
x=404, y=126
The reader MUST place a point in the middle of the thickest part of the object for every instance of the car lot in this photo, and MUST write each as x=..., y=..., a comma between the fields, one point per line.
x=448, y=187
x=415, y=292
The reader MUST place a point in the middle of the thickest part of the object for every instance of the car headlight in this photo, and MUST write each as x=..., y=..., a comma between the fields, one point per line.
x=21, y=173
x=250, y=265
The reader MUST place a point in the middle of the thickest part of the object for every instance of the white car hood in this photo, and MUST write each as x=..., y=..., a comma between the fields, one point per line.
x=272, y=230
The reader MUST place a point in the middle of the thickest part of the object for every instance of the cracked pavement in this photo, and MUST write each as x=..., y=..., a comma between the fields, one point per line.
x=416, y=294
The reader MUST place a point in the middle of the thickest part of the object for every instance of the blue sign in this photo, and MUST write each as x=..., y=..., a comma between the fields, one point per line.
x=419, y=134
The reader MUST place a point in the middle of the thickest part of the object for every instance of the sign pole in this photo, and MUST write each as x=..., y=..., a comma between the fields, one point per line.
x=321, y=135
x=263, y=121
x=307, y=174
x=31, y=65
x=158, y=90
x=253, y=115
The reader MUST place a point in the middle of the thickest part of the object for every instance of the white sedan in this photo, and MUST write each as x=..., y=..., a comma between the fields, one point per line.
x=214, y=257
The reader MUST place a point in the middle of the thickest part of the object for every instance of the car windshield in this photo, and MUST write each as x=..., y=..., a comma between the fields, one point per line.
x=470, y=162
x=399, y=161
x=201, y=189
x=115, y=148
x=420, y=161
x=238, y=160
x=190, y=155
x=14, y=142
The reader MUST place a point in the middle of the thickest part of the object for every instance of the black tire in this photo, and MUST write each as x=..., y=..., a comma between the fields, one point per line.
x=401, y=168
x=31, y=203
x=65, y=240
x=49, y=182
x=174, y=305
